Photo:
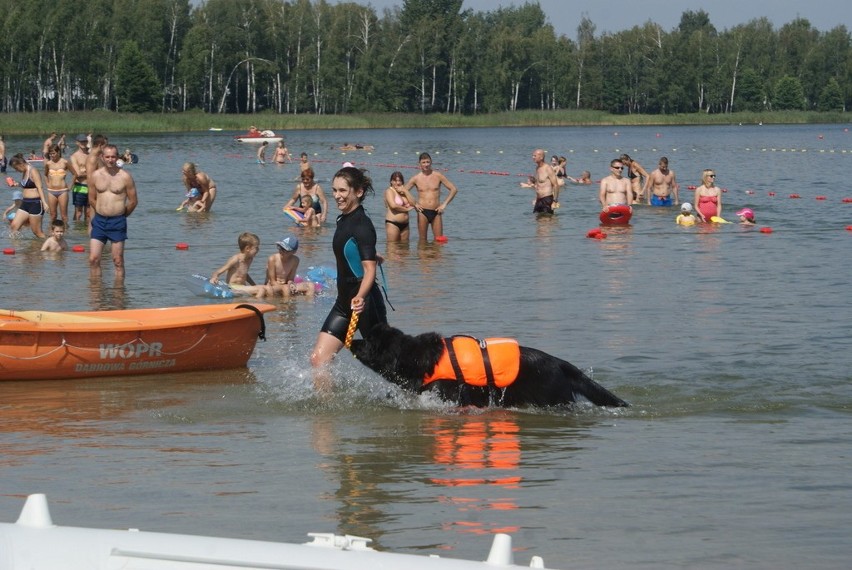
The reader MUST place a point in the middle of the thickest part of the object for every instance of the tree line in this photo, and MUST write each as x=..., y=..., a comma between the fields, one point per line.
x=303, y=56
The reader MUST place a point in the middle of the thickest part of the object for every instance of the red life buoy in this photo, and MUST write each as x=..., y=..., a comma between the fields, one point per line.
x=616, y=215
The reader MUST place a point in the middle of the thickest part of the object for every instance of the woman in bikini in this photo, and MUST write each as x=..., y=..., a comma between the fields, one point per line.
x=708, y=198
x=281, y=155
x=308, y=187
x=56, y=171
x=397, y=219
x=34, y=204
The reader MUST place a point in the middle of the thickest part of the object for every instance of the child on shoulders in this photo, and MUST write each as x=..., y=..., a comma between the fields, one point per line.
x=237, y=268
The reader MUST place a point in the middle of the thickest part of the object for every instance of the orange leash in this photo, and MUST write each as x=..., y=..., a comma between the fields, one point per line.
x=350, y=332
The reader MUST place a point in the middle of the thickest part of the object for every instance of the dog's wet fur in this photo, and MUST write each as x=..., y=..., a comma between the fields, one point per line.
x=543, y=380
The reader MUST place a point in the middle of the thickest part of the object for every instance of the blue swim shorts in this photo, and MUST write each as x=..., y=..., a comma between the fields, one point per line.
x=109, y=228
x=659, y=201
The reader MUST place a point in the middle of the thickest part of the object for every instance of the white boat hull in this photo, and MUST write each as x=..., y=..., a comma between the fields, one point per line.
x=259, y=140
x=34, y=542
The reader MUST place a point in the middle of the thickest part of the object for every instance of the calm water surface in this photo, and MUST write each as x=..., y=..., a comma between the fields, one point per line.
x=732, y=345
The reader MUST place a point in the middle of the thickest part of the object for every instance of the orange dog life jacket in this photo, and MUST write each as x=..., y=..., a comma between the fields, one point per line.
x=487, y=362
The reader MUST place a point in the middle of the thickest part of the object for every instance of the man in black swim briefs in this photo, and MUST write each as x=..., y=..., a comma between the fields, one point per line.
x=430, y=208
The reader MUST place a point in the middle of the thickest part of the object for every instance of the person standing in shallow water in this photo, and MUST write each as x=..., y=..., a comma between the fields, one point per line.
x=430, y=209
x=112, y=197
x=397, y=207
x=354, y=247
x=194, y=178
x=708, y=198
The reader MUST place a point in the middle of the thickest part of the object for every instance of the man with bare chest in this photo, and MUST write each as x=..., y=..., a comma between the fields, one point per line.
x=615, y=189
x=662, y=184
x=545, y=183
x=429, y=207
x=112, y=197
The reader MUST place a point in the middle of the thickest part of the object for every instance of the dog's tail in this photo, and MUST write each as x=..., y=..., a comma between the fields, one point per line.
x=591, y=390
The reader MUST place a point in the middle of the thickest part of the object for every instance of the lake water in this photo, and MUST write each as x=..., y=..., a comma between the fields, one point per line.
x=732, y=345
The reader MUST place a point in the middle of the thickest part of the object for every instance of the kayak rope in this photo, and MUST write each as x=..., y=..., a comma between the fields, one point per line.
x=262, y=333
x=68, y=346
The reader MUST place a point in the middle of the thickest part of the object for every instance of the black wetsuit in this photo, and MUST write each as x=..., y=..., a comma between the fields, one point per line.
x=355, y=226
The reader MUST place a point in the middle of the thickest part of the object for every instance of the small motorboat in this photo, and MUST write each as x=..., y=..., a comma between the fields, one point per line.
x=259, y=137
x=42, y=345
x=35, y=542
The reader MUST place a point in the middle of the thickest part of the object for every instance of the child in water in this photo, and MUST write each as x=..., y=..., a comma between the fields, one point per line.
x=746, y=216
x=237, y=268
x=56, y=241
x=310, y=219
x=281, y=270
x=192, y=197
x=17, y=200
x=686, y=217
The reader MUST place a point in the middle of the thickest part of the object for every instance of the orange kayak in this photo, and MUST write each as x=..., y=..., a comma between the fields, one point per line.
x=40, y=345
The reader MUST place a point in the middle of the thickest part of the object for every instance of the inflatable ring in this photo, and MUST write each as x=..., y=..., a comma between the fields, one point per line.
x=616, y=215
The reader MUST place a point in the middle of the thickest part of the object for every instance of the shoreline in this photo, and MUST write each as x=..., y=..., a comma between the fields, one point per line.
x=70, y=123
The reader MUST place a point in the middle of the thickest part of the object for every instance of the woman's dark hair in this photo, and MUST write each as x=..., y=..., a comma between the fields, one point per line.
x=397, y=174
x=356, y=178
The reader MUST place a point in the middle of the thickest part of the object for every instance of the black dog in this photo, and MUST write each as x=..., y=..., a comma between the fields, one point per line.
x=537, y=378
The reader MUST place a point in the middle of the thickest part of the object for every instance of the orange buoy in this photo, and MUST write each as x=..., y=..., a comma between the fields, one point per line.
x=9, y=251
x=820, y=198
x=78, y=248
x=442, y=239
x=182, y=245
x=593, y=232
x=771, y=193
x=849, y=228
x=600, y=236
x=766, y=230
x=794, y=196
x=847, y=200
x=749, y=192
x=691, y=187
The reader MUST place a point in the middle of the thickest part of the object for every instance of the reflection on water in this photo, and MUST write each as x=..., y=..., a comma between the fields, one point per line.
x=481, y=451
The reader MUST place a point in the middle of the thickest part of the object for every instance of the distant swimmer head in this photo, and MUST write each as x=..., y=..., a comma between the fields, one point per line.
x=747, y=213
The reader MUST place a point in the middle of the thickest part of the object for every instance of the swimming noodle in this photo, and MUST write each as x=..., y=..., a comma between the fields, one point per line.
x=201, y=286
x=295, y=215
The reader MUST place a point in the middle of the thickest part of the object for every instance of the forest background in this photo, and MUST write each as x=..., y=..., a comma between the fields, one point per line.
x=305, y=59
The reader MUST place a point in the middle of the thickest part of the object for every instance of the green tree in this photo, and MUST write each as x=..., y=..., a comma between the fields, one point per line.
x=750, y=94
x=831, y=97
x=789, y=94
x=136, y=87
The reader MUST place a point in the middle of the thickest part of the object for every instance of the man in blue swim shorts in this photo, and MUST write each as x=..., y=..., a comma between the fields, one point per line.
x=663, y=185
x=112, y=197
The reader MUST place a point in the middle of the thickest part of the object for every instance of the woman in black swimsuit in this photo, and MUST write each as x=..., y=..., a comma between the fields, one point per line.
x=34, y=205
x=354, y=247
